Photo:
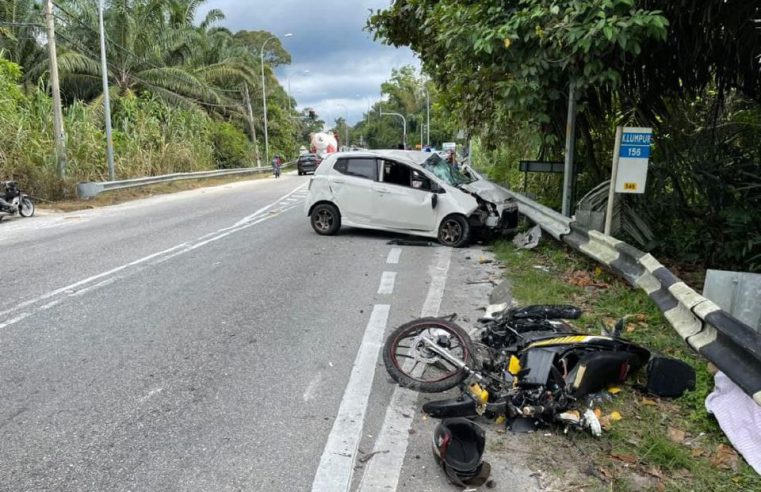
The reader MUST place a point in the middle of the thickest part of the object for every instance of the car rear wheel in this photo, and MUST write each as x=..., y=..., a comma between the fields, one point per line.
x=454, y=231
x=326, y=220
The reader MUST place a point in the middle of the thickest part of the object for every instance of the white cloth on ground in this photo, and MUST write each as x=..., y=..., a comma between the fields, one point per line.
x=739, y=417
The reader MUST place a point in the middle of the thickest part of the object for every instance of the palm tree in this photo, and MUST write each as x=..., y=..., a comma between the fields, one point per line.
x=149, y=45
x=20, y=31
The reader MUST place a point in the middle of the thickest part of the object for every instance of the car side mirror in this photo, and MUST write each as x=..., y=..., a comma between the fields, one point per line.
x=436, y=188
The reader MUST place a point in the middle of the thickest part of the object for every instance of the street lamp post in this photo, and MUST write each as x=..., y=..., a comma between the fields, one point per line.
x=264, y=97
x=404, y=122
x=290, y=93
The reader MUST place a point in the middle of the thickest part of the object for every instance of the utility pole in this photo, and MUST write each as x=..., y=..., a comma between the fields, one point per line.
x=264, y=97
x=570, y=140
x=60, y=142
x=251, y=124
x=427, y=117
x=106, y=96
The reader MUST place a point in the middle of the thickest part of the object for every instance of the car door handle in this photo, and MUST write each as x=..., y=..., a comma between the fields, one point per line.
x=340, y=181
x=383, y=190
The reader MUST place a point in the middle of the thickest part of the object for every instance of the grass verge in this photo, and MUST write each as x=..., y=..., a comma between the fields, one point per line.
x=120, y=196
x=659, y=444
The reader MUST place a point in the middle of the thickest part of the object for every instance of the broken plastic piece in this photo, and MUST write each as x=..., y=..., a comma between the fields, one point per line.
x=570, y=417
x=591, y=422
x=514, y=367
x=528, y=239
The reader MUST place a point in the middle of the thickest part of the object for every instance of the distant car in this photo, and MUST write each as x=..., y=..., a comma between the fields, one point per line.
x=407, y=192
x=308, y=163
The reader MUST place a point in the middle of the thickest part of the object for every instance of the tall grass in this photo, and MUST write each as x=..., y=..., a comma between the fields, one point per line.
x=150, y=138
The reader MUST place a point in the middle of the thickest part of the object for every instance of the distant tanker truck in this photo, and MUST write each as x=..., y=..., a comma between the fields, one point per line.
x=323, y=144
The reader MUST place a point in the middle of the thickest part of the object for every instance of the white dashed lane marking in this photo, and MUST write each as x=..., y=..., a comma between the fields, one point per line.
x=387, y=283
x=393, y=256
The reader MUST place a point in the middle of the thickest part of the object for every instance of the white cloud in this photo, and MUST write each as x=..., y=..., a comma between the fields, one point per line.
x=345, y=66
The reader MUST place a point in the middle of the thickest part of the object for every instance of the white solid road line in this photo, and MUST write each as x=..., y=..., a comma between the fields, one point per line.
x=383, y=471
x=336, y=466
x=109, y=276
x=393, y=256
x=387, y=283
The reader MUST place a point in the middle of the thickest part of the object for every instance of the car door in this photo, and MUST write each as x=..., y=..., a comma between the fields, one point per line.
x=404, y=198
x=352, y=183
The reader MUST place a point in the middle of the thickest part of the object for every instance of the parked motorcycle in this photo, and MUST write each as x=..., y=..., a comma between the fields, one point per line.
x=13, y=201
x=530, y=365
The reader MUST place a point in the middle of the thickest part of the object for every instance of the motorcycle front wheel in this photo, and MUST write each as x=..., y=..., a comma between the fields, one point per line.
x=26, y=208
x=411, y=362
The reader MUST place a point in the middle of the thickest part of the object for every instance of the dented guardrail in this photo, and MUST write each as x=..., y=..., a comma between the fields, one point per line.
x=92, y=189
x=733, y=346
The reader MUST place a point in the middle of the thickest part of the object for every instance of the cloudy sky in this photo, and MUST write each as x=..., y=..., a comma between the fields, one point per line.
x=336, y=67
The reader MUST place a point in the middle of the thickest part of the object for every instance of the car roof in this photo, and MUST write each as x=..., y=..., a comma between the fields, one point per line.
x=411, y=157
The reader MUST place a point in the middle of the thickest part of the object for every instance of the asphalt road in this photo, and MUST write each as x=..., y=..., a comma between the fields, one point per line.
x=205, y=340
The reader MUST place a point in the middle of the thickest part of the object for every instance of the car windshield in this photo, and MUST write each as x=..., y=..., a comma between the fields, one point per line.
x=444, y=171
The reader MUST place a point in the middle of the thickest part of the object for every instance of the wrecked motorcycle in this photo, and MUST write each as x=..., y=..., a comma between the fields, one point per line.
x=13, y=201
x=529, y=366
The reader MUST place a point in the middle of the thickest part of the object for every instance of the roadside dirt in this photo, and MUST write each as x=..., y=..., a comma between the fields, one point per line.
x=121, y=196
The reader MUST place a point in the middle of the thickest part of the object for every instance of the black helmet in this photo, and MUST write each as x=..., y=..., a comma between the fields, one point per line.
x=458, y=445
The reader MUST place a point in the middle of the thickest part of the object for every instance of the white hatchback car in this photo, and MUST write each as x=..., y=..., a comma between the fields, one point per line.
x=406, y=192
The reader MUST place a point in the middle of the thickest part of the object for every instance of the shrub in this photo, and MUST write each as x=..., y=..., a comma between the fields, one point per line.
x=231, y=146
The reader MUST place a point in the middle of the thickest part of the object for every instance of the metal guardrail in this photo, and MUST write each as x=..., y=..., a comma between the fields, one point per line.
x=733, y=346
x=92, y=189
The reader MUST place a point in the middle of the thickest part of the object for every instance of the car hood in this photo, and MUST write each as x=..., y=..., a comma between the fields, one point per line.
x=488, y=191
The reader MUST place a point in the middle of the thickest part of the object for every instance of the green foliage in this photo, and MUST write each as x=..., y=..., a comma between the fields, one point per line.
x=150, y=138
x=231, y=148
x=689, y=71
x=173, y=76
x=405, y=93
x=516, y=58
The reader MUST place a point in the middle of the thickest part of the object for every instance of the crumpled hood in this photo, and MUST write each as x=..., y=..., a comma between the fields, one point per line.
x=488, y=191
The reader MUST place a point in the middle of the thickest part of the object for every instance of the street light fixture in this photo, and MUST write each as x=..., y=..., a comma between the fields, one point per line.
x=404, y=122
x=264, y=97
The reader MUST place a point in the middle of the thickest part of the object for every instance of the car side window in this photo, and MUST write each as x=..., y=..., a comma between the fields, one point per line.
x=360, y=167
x=399, y=174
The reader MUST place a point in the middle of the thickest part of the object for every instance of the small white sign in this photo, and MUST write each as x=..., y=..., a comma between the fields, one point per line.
x=633, y=157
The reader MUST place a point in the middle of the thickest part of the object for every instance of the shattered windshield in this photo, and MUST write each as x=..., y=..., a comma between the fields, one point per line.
x=444, y=171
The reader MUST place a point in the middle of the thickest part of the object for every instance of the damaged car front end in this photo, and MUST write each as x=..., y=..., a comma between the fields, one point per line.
x=497, y=211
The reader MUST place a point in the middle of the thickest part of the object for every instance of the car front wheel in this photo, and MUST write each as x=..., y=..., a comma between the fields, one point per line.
x=454, y=231
x=326, y=220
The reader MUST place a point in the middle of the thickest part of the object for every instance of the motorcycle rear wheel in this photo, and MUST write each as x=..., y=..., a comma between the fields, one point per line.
x=405, y=351
x=26, y=207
